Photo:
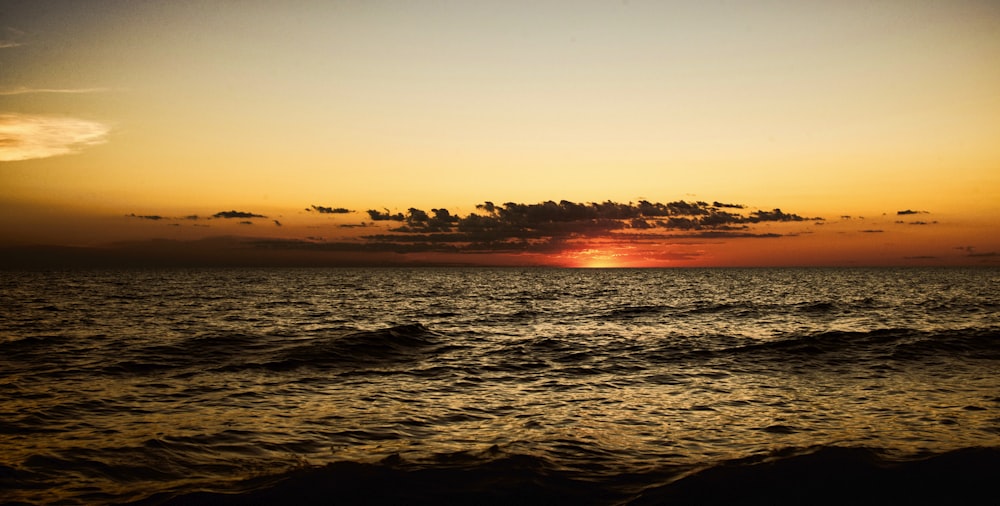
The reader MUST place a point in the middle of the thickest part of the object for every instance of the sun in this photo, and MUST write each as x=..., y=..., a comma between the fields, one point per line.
x=600, y=263
x=612, y=255
x=597, y=258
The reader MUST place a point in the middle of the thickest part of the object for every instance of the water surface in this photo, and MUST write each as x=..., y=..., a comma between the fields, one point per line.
x=601, y=386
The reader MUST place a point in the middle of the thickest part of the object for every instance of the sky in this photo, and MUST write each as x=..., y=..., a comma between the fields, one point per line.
x=565, y=133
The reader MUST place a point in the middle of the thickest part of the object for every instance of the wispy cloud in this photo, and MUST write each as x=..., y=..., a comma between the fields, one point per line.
x=29, y=136
x=23, y=90
x=9, y=36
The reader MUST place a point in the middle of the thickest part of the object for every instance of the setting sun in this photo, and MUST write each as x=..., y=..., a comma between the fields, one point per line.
x=598, y=259
x=610, y=256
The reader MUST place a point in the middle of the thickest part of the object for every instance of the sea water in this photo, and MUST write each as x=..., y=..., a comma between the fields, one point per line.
x=477, y=385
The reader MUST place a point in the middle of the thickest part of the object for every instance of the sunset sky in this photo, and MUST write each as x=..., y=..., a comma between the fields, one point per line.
x=267, y=130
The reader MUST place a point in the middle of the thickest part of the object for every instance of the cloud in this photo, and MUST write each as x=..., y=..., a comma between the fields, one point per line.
x=21, y=90
x=731, y=206
x=910, y=211
x=28, y=136
x=331, y=210
x=9, y=38
x=386, y=216
x=544, y=226
x=236, y=214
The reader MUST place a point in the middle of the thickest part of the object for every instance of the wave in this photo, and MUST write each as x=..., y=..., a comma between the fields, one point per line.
x=397, y=348
x=815, y=475
x=837, y=475
x=223, y=352
x=629, y=312
x=736, y=309
x=401, y=343
x=888, y=343
x=900, y=344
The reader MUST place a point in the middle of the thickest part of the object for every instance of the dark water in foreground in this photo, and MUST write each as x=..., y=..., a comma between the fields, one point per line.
x=499, y=386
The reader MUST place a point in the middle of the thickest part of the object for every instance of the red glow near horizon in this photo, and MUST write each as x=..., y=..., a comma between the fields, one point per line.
x=609, y=256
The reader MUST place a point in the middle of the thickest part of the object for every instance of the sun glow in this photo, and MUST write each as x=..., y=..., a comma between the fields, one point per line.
x=595, y=258
x=601, y=263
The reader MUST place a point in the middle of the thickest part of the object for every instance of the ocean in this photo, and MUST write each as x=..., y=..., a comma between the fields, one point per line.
x=500, y=386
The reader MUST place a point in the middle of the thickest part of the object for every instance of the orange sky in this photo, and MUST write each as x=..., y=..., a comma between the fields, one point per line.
x=823, y=109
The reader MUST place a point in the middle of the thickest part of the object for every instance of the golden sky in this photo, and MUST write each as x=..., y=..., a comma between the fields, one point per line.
x=882, y=118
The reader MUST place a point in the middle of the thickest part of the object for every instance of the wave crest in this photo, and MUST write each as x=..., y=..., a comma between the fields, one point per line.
x=816, y=475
